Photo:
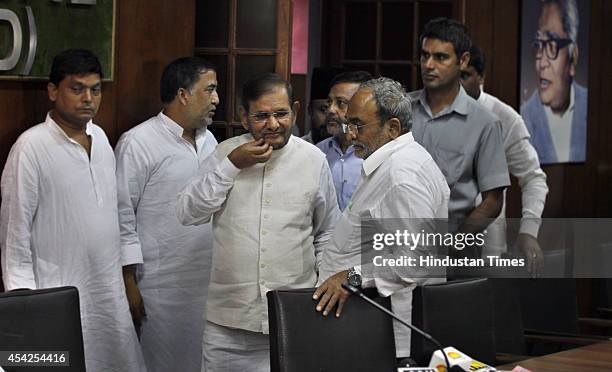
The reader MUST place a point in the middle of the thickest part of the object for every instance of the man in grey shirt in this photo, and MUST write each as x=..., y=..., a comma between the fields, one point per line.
x=463, y=138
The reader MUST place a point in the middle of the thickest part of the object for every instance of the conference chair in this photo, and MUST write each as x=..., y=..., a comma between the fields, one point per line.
x=550, y=316
x=302, y=340
x=457, y=313
x=43, y=320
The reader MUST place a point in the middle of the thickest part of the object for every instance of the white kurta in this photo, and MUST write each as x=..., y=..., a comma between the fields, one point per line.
x=271, y=222
x=154, y=163
x=523, y=164
x=400, y=180
x=59, y=227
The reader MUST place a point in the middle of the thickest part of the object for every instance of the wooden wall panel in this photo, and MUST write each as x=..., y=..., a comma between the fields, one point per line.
x=576, y=190
x=600, y=78
x=148, y=35
x=151, y=34
x=298, y=82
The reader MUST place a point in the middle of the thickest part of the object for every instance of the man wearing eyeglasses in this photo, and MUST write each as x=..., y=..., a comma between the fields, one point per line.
x=272, y=202
x=401, y=182
x=345, y=166
x=556, y=114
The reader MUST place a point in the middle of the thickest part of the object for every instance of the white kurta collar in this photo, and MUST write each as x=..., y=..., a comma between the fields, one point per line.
x=384, y=152
x=176, y=129
x=50, y=122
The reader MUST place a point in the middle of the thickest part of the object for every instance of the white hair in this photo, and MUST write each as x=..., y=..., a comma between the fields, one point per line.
x=392, y=101
x=569, y=19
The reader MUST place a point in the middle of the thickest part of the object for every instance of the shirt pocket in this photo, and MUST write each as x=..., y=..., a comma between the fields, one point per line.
x=295, y=210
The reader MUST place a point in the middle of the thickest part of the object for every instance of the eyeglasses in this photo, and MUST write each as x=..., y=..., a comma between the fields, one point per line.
x=352, y=127
x=550, y=46
x=261, y=117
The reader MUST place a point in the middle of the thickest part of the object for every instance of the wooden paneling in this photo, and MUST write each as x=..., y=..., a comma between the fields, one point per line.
x=576, y=190
x=298, y=82
x=149, y=34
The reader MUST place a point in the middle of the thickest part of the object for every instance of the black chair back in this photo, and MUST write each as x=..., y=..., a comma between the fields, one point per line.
x=509, y=331
x=302, y=340
x=43, y=320
x=456, y=313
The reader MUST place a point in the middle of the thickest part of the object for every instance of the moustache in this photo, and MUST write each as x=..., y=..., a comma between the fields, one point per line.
x=264, y=132
x=333, y=117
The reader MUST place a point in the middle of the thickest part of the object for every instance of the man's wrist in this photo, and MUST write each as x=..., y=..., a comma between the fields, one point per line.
x=354, y=276
x=530, y=226
x=129, y=274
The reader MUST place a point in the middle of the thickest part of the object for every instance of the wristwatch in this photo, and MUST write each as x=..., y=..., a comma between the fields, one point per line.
x=354, y=278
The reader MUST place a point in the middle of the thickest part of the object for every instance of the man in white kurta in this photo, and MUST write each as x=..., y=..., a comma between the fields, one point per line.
x=272, y=202
x=523, y=164
x=59, y=222
x=155, y=160
x=401, y=182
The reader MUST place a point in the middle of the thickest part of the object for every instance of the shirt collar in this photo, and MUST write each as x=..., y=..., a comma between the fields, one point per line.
x=49, y=120
x=176, y=129
x=384, y=152
x=460, y=104
x=333, y=143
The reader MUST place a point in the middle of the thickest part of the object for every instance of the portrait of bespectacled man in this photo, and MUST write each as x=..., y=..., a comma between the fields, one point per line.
x=554, y=77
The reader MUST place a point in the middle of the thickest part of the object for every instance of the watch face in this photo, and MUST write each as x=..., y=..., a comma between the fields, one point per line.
x=354, y=279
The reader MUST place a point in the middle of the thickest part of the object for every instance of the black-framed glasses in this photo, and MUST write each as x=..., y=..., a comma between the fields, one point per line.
x=550, y=46
x=262, y=116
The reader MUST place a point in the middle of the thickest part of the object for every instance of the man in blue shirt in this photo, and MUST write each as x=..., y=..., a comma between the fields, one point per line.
x=345, y=166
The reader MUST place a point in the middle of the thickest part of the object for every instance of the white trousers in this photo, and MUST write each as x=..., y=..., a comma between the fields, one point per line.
x=228, y=349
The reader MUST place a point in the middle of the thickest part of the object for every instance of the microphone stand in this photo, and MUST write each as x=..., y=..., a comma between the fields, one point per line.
x=354, y=290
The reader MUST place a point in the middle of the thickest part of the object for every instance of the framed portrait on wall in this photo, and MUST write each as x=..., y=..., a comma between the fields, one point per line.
x=554, y=77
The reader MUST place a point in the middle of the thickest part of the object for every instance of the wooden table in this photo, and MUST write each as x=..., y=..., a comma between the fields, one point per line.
x=592, y=358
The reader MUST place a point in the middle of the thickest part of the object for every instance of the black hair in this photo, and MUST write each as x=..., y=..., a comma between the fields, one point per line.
x=477, y=60
x=182, y=73
x=450, y=31
x=74, y=62
x=260, y=84
x=351, y=77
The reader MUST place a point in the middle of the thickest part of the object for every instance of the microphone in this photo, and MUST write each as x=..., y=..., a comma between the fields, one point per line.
x=435, y=359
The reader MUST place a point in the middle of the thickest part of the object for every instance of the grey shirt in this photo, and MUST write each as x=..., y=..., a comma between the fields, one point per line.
x=466, y=142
